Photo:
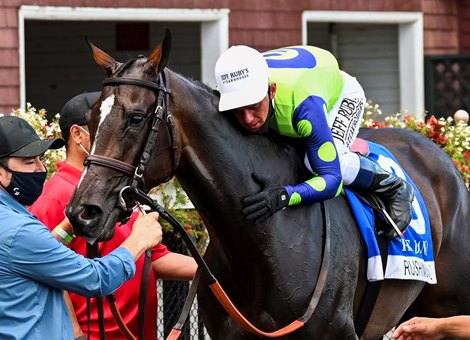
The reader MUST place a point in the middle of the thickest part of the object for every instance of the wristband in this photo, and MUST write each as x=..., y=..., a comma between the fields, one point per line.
x=62, y=233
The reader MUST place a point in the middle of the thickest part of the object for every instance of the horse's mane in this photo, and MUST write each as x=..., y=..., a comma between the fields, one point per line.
x=199, y=84
x=213, y=95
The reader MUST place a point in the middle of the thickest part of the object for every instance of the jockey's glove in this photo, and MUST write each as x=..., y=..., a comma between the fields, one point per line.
x=258, y=207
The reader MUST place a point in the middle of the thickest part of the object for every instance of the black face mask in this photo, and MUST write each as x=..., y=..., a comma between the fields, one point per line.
x=26, y=187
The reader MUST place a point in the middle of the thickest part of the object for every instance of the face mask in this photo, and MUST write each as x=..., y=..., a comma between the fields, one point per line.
x=83, y=148
x=26, y=187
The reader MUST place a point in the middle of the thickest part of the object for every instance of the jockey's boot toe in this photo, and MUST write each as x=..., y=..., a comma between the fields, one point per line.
x=398, y=203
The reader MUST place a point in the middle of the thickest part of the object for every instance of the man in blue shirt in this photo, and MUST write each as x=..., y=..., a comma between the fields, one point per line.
x=34, y=267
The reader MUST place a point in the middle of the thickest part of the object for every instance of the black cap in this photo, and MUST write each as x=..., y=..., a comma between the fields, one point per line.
x=76, y=110
x=18, y=139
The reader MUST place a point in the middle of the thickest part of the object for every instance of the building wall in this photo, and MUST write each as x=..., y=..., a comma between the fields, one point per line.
x=59, y=63
x=441, y=27
x=260, y=23
x=464, y=26
x=9, y=58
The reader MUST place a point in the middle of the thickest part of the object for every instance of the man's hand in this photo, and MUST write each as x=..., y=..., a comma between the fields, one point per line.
x=258, y=207
x=146, y=228
x=420, y=329
x=146, y=233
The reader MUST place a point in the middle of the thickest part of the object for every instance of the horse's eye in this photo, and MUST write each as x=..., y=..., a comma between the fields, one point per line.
x=136, y=118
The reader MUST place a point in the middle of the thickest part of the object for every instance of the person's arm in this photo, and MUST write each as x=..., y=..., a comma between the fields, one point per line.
x=77, y=331
x=36, y=254
x=140, y=239
x=66, y=227
x=135, y=243
x=434, y=328
x=175, y=266
x=311, y=124
x=63, y=232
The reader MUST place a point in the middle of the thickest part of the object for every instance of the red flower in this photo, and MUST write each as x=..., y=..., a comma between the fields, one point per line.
x=432, y=120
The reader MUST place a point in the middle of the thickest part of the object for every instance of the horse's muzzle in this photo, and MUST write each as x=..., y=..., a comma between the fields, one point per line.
x=85, y=220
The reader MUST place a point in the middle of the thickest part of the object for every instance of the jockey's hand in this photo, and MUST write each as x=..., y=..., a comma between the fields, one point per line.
x=258, y=207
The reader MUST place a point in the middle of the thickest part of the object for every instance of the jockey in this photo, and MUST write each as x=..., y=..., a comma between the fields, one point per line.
x=300, y=92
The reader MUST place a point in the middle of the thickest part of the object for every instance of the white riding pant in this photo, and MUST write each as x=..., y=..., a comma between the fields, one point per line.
x=344, y=119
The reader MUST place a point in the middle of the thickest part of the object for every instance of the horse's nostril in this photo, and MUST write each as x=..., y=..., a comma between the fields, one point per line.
x=89, y=212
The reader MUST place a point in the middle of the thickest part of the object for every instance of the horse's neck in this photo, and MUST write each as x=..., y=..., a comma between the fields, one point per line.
x=215, y=157
x=214, y=164
x=217, y=160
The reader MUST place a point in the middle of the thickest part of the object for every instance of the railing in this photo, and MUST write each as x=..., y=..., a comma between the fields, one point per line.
x=447, y=84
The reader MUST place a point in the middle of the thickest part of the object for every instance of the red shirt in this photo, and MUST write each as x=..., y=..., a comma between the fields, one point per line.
x=49, y=208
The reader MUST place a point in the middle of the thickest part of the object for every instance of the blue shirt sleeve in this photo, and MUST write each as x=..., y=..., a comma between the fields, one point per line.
x=311, y=124
x=36, y=254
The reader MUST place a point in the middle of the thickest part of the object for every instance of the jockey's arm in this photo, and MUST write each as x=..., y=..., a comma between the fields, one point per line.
x=311, y=124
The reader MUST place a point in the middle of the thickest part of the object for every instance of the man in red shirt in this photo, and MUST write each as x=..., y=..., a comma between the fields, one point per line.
x=50, y=207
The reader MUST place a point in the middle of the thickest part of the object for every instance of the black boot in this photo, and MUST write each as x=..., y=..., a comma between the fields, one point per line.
x=393, y=191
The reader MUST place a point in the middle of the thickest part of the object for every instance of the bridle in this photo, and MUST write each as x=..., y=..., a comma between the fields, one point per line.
x=160, y=112
x=137, y=172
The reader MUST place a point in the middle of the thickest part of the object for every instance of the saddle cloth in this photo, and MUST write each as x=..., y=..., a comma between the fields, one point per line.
x=410, y=257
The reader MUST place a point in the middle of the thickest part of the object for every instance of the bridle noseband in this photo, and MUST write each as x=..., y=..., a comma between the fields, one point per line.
x=161, y=110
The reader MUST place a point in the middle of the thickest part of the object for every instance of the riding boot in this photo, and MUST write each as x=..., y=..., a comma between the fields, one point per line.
x=395, y=193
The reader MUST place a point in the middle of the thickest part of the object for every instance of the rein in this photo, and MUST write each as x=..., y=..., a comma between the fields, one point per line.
x=217, y=289
x=139, y=196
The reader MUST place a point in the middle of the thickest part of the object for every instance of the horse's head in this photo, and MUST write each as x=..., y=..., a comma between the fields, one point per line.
x=132, y=132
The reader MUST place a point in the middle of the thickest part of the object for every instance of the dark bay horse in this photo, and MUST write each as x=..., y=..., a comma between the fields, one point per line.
x=269, y=270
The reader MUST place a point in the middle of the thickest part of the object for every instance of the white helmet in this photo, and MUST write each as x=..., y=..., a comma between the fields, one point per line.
x=242, y=76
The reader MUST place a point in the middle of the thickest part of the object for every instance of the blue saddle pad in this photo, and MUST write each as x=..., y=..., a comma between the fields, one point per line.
x=410, y=257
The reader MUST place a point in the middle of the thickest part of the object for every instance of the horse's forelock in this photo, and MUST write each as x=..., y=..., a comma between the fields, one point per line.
x=120, y=72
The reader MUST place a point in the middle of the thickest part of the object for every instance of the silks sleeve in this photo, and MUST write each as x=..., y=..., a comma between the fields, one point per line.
x=311, y=124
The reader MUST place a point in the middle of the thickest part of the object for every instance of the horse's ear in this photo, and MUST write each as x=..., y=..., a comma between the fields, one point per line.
x=107, y=63
x=158, y=58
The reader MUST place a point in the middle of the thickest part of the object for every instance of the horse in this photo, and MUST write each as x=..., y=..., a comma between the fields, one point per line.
x=269, y=271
